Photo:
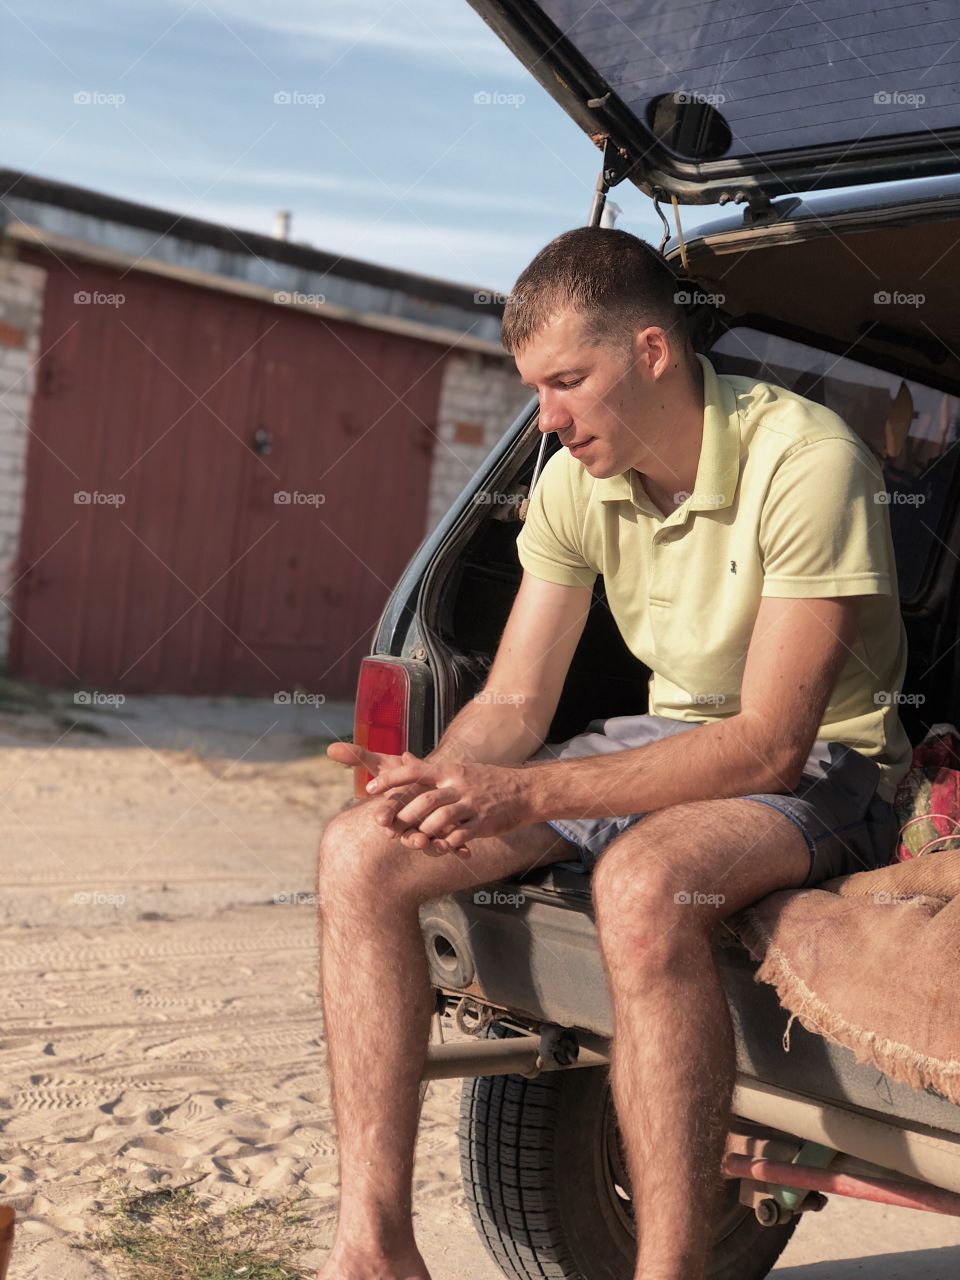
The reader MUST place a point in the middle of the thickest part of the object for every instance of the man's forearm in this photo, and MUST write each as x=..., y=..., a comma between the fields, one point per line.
x=491, y=732
x=730, y=757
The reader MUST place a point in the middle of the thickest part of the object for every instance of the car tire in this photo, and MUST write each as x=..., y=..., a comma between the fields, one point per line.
x=544, y=1183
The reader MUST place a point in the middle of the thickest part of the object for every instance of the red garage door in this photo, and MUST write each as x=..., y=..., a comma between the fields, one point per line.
x=220, y=493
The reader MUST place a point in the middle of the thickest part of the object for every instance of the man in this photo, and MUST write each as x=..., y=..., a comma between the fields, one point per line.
x=748, y=563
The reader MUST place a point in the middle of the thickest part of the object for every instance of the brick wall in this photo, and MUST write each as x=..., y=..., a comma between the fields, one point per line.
x=21, y=304
x=479, y=398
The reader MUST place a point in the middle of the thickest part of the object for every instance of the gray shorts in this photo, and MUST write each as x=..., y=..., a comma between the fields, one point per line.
x=846, y=825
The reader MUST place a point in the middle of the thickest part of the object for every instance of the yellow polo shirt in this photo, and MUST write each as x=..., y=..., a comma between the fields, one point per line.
x=784, y=504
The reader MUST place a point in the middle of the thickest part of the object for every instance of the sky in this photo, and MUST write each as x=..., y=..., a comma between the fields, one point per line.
x=401, y=132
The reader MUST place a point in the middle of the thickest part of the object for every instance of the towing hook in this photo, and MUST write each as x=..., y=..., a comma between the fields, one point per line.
x=559, y=1045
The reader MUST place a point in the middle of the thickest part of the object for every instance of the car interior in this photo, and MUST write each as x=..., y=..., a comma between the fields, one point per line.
x=877, y=365
x=905, y=404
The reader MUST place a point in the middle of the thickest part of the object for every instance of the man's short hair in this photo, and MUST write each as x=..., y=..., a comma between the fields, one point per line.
x=614, y=280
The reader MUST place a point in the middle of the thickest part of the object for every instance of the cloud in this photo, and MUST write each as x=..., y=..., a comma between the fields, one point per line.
x=196, y=171
x=285, y=182
x=445, y=30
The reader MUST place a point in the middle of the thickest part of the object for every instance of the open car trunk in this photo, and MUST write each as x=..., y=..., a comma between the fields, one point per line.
x=904, y=404
x=720, y=101
x=541, y=962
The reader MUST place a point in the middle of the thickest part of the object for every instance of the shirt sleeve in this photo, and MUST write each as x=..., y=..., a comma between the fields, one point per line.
x=825, y=524
x=550, y=544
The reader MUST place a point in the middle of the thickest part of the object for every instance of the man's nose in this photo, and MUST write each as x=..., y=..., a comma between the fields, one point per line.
x=553, y=416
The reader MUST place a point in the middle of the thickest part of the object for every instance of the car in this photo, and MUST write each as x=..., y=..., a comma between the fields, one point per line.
x=848, y=296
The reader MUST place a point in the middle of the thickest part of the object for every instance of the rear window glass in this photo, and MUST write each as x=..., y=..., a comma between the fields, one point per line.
x=911, y=428
x=784, y=75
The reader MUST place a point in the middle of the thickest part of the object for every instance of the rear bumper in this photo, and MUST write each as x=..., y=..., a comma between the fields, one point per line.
x=539, y=960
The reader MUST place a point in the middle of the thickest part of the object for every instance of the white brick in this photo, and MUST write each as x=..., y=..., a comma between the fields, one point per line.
x=21, y=300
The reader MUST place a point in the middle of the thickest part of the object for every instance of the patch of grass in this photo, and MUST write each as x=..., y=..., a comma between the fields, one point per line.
x=20, y=695
x=78, y=726
x=173, y=1234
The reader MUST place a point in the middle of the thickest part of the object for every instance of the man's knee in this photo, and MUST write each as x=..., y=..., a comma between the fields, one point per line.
x=646, y=890
x=630, y=884
x=360, y=861
x=354, y=854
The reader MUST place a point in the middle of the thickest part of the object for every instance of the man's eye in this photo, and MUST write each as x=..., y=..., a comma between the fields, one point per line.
x=565, y=386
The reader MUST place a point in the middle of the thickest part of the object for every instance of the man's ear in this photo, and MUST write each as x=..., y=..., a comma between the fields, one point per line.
x=653, y=350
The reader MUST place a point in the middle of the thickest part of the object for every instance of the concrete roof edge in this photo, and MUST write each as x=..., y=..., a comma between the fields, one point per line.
x=96, y=204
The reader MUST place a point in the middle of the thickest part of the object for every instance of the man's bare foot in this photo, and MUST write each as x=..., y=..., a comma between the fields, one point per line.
x=341, y=1265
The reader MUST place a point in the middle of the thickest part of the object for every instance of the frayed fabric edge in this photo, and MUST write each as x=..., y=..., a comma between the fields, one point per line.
x=899, y=1061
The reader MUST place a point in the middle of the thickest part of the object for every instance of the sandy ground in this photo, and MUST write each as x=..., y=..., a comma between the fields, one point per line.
x=158, y=994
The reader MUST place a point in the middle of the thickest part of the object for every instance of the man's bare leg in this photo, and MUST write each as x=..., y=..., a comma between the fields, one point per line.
x=673, y=1056
x=377, y=1009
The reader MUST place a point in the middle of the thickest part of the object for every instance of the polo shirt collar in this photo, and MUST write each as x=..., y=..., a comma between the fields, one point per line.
x=718, y=469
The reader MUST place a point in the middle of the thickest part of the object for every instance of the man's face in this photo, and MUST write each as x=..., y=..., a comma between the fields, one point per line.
x=602, y=401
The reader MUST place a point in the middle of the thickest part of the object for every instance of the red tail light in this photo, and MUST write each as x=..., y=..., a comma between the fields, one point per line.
x=382, y=713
